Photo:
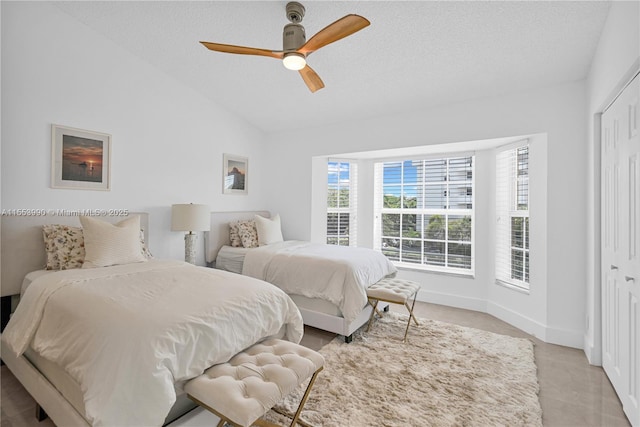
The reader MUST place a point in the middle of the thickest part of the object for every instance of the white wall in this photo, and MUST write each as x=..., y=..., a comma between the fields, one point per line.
x=616, y=60
x=555, y=309
x=168, y=143
x=168, y=140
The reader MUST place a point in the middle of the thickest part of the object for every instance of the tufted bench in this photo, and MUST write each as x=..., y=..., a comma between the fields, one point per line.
x=397, y=291
x=246, y=387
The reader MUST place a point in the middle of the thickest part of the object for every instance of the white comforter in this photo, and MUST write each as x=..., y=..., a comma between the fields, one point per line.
x=337, y=274
x=126, y=334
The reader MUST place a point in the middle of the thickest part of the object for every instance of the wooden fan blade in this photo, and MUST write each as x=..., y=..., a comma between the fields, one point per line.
x=228, y=48
x=311, y=78
x=340, y=29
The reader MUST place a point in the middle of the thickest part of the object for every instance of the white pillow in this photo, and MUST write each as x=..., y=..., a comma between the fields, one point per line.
x=268, y=230
x=111, y=244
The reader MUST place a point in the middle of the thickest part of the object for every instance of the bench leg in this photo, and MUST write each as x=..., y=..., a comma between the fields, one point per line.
x=373, y=313
x=304, y=398
x=411, y=316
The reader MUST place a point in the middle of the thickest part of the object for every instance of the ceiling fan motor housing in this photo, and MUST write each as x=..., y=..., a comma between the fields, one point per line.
x=293, y=36
x=295, y=12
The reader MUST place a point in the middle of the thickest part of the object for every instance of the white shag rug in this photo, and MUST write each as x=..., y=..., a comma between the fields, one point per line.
x=445, y=375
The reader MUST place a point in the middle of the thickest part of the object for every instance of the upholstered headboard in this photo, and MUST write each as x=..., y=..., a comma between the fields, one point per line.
x=218, y=236
x=23, y=245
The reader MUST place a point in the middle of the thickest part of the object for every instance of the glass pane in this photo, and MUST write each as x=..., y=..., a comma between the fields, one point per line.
x=460, y=169
x=332, y=224
x=526, y=233
x=412, y=251
x=460, y=255
x=411, y=169
x=460, y=228
x=332, y=240
x=411, y=225
x=391, y=249
x=522, y=188
x=522, y=178
x=435, y=196
x=332, y=197
x=343, y=241
x=523, y=161
x=434, y=227
x=410, y=197
x=526, y=267
x=517, y=264
x=460, y=197
x=391, y=196
x=391, y=225
x=516, y=232
x=332, y=173
x=343, y=224
x=343, y=197
x=392, y=173
x=434, y=253
x=435, y=170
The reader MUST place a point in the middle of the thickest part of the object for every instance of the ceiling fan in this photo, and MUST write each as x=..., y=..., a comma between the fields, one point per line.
x=296, y=48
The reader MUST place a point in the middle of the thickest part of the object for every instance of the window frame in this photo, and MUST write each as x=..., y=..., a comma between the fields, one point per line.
x=351, y=210
x=424, y=212
x=504, y=251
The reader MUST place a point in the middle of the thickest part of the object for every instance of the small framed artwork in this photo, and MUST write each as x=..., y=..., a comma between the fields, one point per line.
x=235, y=174
x=80, y=159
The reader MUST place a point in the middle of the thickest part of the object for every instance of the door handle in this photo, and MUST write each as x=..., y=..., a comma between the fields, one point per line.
x=629, y=279
x=614, y=267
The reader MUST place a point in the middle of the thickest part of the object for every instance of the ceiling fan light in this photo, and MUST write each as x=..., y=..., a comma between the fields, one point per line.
x=294, y=61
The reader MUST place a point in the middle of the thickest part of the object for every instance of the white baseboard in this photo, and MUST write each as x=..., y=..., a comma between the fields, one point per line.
x=568, y=338
x=521, y=322
x=565, y=337
x=593, y=356
x=475, y=304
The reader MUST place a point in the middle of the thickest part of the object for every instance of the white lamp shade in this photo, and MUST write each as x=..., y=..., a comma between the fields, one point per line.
x=190, y=217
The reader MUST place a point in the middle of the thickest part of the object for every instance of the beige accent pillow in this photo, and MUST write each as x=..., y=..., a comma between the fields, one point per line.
x=145, y=250
x=234, y=237
x=64, y=246
x=248, y=234
x=111, y=244
x=269, y=230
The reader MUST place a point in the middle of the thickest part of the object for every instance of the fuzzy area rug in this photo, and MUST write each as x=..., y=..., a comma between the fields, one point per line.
x=445, y=375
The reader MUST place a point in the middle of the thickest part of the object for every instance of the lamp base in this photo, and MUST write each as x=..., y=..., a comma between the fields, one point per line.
x=190, y=248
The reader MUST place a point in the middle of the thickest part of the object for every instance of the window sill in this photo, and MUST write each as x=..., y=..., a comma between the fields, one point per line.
x=513, y=287
x=410, y=267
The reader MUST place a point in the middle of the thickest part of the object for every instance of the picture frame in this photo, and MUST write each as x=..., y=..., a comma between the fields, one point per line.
x=235, y=174
x=80, y=159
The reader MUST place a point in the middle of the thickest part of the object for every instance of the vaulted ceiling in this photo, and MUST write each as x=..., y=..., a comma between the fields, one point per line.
x=414, y=55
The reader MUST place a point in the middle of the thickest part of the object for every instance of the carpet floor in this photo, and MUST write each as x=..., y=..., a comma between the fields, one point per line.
x=444, y=375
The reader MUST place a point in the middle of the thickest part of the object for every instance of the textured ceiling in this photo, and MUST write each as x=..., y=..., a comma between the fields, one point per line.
x=414, y=55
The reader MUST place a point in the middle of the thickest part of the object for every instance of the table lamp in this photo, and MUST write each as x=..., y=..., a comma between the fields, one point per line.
x=190, y=217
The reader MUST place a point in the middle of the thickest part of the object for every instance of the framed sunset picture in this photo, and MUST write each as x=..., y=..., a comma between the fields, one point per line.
x=80, y=159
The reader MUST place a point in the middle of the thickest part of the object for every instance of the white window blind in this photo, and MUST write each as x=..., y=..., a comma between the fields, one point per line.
x=424, y=213
x=512, y=216
x=342, y=203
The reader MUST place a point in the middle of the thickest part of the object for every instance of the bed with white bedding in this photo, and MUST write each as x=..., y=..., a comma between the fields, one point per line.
x=113, y=345
x=328, y=283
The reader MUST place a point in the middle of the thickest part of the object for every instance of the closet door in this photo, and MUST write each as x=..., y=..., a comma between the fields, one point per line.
x=621, y=247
